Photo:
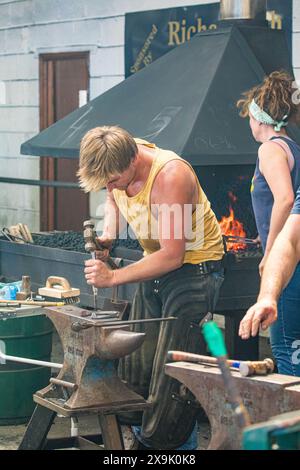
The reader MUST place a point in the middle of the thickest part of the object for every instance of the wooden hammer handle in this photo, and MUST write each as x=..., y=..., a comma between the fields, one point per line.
x=111, y=263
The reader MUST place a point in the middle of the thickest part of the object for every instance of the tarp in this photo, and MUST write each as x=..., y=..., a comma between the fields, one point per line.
x=185, y=101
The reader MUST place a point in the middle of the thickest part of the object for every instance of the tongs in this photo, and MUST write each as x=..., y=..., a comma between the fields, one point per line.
x=236, y=239
x=6, y=233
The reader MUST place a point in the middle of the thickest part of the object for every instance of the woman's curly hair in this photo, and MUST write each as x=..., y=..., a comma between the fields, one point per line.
x=277, y=95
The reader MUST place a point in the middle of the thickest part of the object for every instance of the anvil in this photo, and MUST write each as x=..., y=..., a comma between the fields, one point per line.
x=263, y=397
x=88, y=378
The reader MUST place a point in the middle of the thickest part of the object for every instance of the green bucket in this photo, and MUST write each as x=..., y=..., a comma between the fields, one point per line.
x=26, y=335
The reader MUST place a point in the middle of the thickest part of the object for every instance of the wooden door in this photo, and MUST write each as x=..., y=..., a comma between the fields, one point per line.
x=62, y=76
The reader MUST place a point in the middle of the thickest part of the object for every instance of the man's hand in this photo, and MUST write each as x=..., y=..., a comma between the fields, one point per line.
x=263, y=313
x=97, y=273
x=106, y=245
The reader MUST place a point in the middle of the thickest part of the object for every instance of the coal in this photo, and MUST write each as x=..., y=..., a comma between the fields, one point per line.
x=129, y=243
x=249, y=253
x=73, y=241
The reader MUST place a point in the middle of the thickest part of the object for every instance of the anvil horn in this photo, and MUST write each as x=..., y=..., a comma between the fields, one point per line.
x=119, y=342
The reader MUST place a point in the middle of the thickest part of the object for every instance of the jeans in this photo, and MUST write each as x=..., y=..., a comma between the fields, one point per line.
x=285, y=332
x=188, y=295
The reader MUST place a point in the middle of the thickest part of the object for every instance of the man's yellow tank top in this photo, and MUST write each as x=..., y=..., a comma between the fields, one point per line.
x=204, y=242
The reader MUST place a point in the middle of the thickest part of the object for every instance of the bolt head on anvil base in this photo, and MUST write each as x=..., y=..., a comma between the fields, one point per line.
x=90, y=356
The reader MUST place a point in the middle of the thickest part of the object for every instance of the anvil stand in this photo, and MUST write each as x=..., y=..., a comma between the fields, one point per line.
x=87, y=382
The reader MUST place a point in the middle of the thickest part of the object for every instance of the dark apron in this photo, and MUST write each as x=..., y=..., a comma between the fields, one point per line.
x=187, y=294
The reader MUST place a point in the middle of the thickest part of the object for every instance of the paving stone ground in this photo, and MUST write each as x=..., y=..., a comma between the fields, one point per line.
x=11, y=436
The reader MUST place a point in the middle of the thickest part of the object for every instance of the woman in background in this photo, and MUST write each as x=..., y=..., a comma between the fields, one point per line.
x=270, y=107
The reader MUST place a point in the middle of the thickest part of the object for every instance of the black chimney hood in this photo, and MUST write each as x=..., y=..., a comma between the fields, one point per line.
x=185, y=101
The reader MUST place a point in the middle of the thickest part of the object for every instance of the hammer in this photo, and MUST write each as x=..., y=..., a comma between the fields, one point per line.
x=246, y=368
x=91, y=246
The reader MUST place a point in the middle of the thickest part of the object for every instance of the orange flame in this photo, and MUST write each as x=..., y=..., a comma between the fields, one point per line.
x=231, y=226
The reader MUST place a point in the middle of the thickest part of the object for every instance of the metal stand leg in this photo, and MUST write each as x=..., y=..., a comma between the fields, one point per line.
x=37, y=429
x=35, y=437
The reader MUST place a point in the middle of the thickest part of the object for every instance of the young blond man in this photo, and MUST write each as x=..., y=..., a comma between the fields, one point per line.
x=180, y=274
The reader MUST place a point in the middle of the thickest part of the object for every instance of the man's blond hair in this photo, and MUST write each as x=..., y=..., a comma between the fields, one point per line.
x=104, y=153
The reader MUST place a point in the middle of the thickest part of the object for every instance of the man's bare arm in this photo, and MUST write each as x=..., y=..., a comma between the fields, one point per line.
x=173, y=187
x=283, y=259
x=281, y=263
x=114, y=223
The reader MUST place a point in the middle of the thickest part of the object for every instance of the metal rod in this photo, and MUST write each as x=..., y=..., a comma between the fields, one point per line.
x=104, y=317
x=216, y=344
x=95, y=290
x=63, y=383
x=237, y=404
x=236, y=239
x=25, y=360
x=13, y=238
x=48, y=183
x=37, y=303
x=6, y=235
x=78, y=326
x=132, y=322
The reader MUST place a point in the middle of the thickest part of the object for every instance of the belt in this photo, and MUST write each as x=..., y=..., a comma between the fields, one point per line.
x=207, y=267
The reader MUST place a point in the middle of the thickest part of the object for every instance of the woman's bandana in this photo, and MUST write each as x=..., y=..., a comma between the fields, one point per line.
x=261, y=116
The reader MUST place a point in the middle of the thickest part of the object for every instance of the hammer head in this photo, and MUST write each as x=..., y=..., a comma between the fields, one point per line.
x=89, y=236
x=90, y=247
x=88, y=224
x=264, y=367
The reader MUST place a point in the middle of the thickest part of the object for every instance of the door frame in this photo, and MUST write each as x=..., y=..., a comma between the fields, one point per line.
x=47, y=117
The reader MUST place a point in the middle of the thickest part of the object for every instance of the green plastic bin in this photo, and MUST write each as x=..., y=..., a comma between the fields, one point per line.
x=26, y=335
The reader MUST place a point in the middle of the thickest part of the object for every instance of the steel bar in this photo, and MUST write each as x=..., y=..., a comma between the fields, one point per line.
x=30, y=182
x=25, y=360
x=90, y=324
x=231, y=388
x=37, y=303
x=236, y=239
x=130, y=322
x=95, y=290
x=9, y=237
x=64, y=383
